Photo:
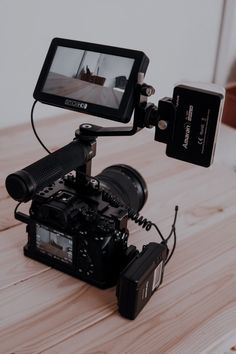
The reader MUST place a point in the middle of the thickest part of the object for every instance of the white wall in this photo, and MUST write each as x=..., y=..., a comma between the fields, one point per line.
x=180, y=38
x=66, y=62
x=226, y=60
x=112, y=67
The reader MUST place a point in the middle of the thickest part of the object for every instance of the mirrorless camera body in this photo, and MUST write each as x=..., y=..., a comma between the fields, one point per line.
x=78, y=223
x=77, y=227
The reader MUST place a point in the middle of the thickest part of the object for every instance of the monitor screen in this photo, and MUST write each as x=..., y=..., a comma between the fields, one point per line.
x=88, y=76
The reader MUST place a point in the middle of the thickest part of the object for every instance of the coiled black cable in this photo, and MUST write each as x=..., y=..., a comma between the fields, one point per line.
x=132, y=214
x=141, y=220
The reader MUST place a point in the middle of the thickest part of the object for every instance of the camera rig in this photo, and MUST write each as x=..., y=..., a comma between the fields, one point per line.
x=78, y=223
x=43, y=182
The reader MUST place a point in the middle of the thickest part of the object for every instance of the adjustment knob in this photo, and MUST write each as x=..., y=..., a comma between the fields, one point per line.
x=147, y=90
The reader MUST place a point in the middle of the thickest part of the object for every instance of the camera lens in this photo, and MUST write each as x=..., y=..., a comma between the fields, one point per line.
x=126, y=183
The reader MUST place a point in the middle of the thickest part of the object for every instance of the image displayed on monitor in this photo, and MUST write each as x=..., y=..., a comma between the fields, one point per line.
x=88, y=76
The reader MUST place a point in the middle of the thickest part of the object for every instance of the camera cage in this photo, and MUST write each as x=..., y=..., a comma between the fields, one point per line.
x=146, y=115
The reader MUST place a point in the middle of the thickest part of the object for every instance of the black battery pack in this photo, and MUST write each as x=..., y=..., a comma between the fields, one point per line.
x=198, y=116
x=140, y=279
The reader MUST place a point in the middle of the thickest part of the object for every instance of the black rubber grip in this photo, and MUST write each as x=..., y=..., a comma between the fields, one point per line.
x=23, y=184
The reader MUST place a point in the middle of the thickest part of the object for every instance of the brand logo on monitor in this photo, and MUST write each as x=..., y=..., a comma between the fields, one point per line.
x=76, y=104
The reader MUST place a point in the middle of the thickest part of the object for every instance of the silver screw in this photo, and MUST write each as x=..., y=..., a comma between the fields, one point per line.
x=162, y=124
x=88, y=126
x=150, y=91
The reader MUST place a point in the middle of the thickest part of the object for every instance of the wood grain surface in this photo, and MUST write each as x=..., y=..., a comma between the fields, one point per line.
x=45, y=311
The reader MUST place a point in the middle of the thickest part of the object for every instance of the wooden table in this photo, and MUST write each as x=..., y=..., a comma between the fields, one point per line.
x=194, y=311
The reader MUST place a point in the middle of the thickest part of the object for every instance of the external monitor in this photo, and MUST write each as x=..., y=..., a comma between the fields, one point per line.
x=91, y=78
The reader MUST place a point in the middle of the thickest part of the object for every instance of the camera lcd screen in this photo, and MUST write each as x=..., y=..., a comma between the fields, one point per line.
x=54, y=243
x=91, y=78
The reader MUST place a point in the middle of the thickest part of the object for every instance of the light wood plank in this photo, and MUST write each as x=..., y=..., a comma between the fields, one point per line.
x=14, y=267
x=189, y=258
x=176, y=314
x=43, y=310
x=50, y=305
x=197, y=286
x=196, y=214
